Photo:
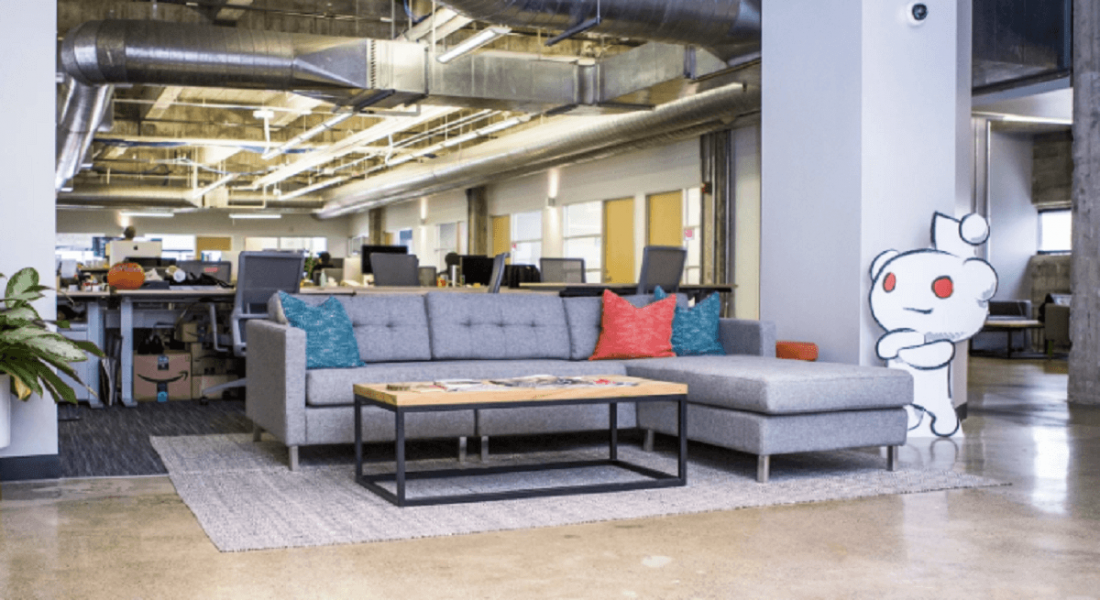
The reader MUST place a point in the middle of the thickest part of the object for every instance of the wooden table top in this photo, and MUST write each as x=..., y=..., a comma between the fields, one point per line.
x=438, y=397
x=1012, y=323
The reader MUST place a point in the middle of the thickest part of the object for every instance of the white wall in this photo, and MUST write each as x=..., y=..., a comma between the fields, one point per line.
x=1014, y=222
x=859, y=148
x=28, y=45
x=109, y=222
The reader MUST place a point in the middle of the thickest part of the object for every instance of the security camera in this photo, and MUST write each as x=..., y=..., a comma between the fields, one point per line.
x=918, y=12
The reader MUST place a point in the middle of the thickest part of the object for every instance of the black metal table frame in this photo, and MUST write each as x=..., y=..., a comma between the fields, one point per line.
x=400, y=476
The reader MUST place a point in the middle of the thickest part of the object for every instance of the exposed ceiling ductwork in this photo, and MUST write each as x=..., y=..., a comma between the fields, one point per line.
x=148, y=196
x=727, y=27
x=539, y=148
x=81, y=112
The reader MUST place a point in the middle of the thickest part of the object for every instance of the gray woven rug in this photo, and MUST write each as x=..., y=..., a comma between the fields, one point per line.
x=245, y=498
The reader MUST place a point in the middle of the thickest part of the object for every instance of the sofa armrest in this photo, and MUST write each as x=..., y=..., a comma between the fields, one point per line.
x=275, y=397
x=744, y=336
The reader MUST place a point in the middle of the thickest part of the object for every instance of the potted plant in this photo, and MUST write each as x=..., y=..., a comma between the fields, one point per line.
x=28, y=350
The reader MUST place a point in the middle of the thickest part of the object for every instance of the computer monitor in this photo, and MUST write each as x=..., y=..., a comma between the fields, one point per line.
x=368, y=250
x=476, y=269
x=220, y=270
x=120, y=250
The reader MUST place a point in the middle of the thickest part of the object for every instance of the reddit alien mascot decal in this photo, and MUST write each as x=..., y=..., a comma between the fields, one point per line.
x=927, y=300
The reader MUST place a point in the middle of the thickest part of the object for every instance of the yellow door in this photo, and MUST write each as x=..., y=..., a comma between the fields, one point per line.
x=389, y=238
x=666, y=219
x=618, y=241
x=205, y=243
x=502, y=234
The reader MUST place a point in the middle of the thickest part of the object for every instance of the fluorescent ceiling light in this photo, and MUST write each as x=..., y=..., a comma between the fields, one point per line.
x=255, y=216
x=473, y=42
x=148, y=215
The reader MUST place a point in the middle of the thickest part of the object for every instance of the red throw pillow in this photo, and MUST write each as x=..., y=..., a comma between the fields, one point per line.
x=630, y=332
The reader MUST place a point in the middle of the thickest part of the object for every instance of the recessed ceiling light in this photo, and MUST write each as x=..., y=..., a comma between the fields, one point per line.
x=255, y=216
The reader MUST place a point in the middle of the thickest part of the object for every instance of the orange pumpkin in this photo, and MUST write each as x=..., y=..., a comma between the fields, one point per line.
x=126, y=276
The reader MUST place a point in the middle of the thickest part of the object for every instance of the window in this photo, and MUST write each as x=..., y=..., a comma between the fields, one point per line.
x=1055, y=230
x=179, y=247
x=312, y=245
x=80, y=247
x=527, y=238
x=582, y=231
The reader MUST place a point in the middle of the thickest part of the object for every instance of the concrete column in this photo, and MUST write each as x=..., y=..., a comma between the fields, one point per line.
x=27, y=206
x=860, y=140
x=477, y=218
x=1084, y=358
x=377, y=218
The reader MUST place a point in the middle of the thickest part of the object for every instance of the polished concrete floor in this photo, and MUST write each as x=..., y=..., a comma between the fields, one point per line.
x=1038, y=537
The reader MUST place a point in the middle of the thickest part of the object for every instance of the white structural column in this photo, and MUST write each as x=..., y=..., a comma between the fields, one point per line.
x=860, y=141
x=28, y=40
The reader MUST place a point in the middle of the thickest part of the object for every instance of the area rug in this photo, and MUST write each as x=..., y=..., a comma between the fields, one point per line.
x=245, y=498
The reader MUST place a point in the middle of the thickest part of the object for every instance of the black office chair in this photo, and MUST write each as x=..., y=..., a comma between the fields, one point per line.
x=395, y=269
x=562, y=270
x=497, y=275
x=259, y=276
x=661, y=266
x=427, y=276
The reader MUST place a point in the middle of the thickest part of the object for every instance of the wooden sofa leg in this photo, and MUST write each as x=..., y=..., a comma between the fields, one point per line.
x=763, y=468
x=462, y=449
x=484, y=448
x=292, y=451
x=891, y=458
x=257, y=432
x=647, y=444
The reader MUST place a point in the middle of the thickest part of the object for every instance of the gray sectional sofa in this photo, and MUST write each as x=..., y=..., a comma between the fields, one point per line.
x=746, y=401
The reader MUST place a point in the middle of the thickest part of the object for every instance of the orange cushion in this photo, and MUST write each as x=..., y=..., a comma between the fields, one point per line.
x=630, y=332
x=796, y=350
x=126, y=276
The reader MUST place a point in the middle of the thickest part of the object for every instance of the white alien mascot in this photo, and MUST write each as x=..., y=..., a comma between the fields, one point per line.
x=927, y=300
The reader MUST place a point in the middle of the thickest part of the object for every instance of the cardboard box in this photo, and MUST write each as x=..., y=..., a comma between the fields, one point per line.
x=162, y=377
x=191, y=331
x=201, y=382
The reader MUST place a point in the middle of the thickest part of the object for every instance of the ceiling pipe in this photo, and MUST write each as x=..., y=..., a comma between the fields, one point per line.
x=539, y=147
x=162, y=197
x=84, y=110
x=726, y=27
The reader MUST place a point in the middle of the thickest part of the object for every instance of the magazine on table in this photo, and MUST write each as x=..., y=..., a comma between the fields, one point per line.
x=554, y=381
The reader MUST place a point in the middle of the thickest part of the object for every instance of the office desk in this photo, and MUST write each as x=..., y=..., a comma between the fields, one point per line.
x=93, y=312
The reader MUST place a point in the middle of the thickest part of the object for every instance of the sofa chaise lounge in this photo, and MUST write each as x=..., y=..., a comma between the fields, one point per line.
x=746, y=401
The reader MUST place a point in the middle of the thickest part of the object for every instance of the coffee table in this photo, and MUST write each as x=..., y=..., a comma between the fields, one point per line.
x=417, y=397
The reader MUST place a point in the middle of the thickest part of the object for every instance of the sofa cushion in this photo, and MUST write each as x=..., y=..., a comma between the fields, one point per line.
x=695, y=329
x=387, y=327
x=333, y=387
x=330, y=343
x=583, y=315
x=775, y=386
x=497, y=326
x=627, y=331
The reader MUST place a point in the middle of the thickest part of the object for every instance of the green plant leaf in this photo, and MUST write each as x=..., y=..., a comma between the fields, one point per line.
x=88, y=347
x=61, y=391
x=64, y=367
x=57, y=346
x=21, y=313
x=23, y=373
x=61, y=324
x=22, y=282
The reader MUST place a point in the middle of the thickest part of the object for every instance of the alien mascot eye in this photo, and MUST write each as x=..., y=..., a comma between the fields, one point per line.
x=889, y=282
x=943, y=287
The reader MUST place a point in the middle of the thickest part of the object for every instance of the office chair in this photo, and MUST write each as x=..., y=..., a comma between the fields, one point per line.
x=661, y=266
x=395, y=269
x=259, y=276
x=562, y=270
x=498, y=272
x=427, y=276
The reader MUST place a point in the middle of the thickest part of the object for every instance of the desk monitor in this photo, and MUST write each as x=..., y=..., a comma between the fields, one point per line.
x=368, y=250
x=119, y=250
x=476, y=269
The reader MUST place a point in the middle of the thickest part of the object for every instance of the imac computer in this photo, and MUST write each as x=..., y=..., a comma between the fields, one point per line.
x=120, y=250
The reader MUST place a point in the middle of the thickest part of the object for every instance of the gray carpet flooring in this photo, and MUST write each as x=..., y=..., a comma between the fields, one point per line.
x=114, y=441
x=245, y=498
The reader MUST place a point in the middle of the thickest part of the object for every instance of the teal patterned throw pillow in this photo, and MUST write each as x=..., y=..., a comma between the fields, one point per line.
x=695, y=329
x=330, y=341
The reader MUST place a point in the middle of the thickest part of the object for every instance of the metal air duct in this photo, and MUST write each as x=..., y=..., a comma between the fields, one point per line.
x=167, y=197
x=539, y=148
x=160, y=53
x=83, y=110
x=728, y=27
